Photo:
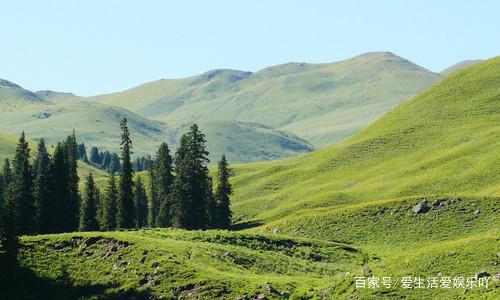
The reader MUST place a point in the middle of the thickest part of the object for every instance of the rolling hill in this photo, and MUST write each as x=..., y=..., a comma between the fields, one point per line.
x=322, y=103
x=444, y=141
x=96, y=124
x=460, y=65
x=53, y=115
x=13, y=97
x=414, y=194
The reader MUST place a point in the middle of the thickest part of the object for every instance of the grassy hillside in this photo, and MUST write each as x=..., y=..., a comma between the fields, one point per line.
x=13, y=97
x=322, y=103
x=167, y=263
x=96, y=124
x=445, y=141
x=460, y=65
x=245, y=142
x=7, y=147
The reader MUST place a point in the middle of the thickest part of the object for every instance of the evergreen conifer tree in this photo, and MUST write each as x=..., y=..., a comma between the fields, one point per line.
x=88, y=209
x=109, y=205
x=114, y=165
x=126, y=210
x=222, y=195
x=153, y=205
x=72, y=205
x=41, y=168
x=56, y=218
x=19, y=195
x=141, y=204
x=189, y=198
x=94, y=155
x=164, y=180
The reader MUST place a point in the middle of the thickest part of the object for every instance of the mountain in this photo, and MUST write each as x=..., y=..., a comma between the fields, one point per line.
x=98, y=125
x=13, y=96
x=95, y=125
x=322, y=103
x=460, y=65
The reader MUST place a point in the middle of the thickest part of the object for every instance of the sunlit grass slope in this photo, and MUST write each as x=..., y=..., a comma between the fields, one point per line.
x=167, y=263
x=445, y=141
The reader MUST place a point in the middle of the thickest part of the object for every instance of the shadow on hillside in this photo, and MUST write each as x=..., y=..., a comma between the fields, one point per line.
x=24, y=284
x=246, y=225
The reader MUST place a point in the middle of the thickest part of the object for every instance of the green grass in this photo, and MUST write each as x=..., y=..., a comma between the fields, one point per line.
x=322, y=103
x=200, y=264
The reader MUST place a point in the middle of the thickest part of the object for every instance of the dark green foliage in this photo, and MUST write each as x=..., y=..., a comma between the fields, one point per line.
x=109, y=206
x=73, y=201
x=55, y=219
x=19, y=200
x=126, y=210
x=163, y=186
x=222, y=195
x=82, y=151
x=95, y=157
x=106, y=160
x=41, y=182
x=141, y=203
x=6, y=173
x=153, y=205
x=5, y=178
x=189, y=198
x=88, y=210
x=114, y=165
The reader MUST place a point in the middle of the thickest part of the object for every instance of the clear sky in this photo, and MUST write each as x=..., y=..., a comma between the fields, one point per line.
x=91, y=47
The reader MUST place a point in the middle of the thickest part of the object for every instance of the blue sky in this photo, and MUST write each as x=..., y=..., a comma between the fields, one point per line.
x=91, y=47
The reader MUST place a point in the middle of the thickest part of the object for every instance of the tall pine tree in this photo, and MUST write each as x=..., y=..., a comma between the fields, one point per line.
x=164, y=180
x=153, y=205
x=5, y=178
x=73, y=202
x=190, y=199
x=56, y=218
x=222, y=195
x=41, y=193
x=109, y=206
x=141, y=203
x=19, y=194
x=88, y=209
x=126, y=210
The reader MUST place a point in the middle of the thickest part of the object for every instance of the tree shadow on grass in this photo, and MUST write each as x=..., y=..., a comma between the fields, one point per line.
x=24, y=284
x=246, y=225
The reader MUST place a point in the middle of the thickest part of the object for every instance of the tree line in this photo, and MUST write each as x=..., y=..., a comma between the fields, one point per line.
x=43, y=196
x=110, y=162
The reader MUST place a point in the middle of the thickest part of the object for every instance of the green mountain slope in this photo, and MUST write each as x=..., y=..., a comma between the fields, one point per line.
x=460, y=65
x=13, y=97
x=96, y=124
x=7, y=147
x=322, y=103
x=440, y=148
x=53, y=114
x=444, y=141
x=245, y=142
